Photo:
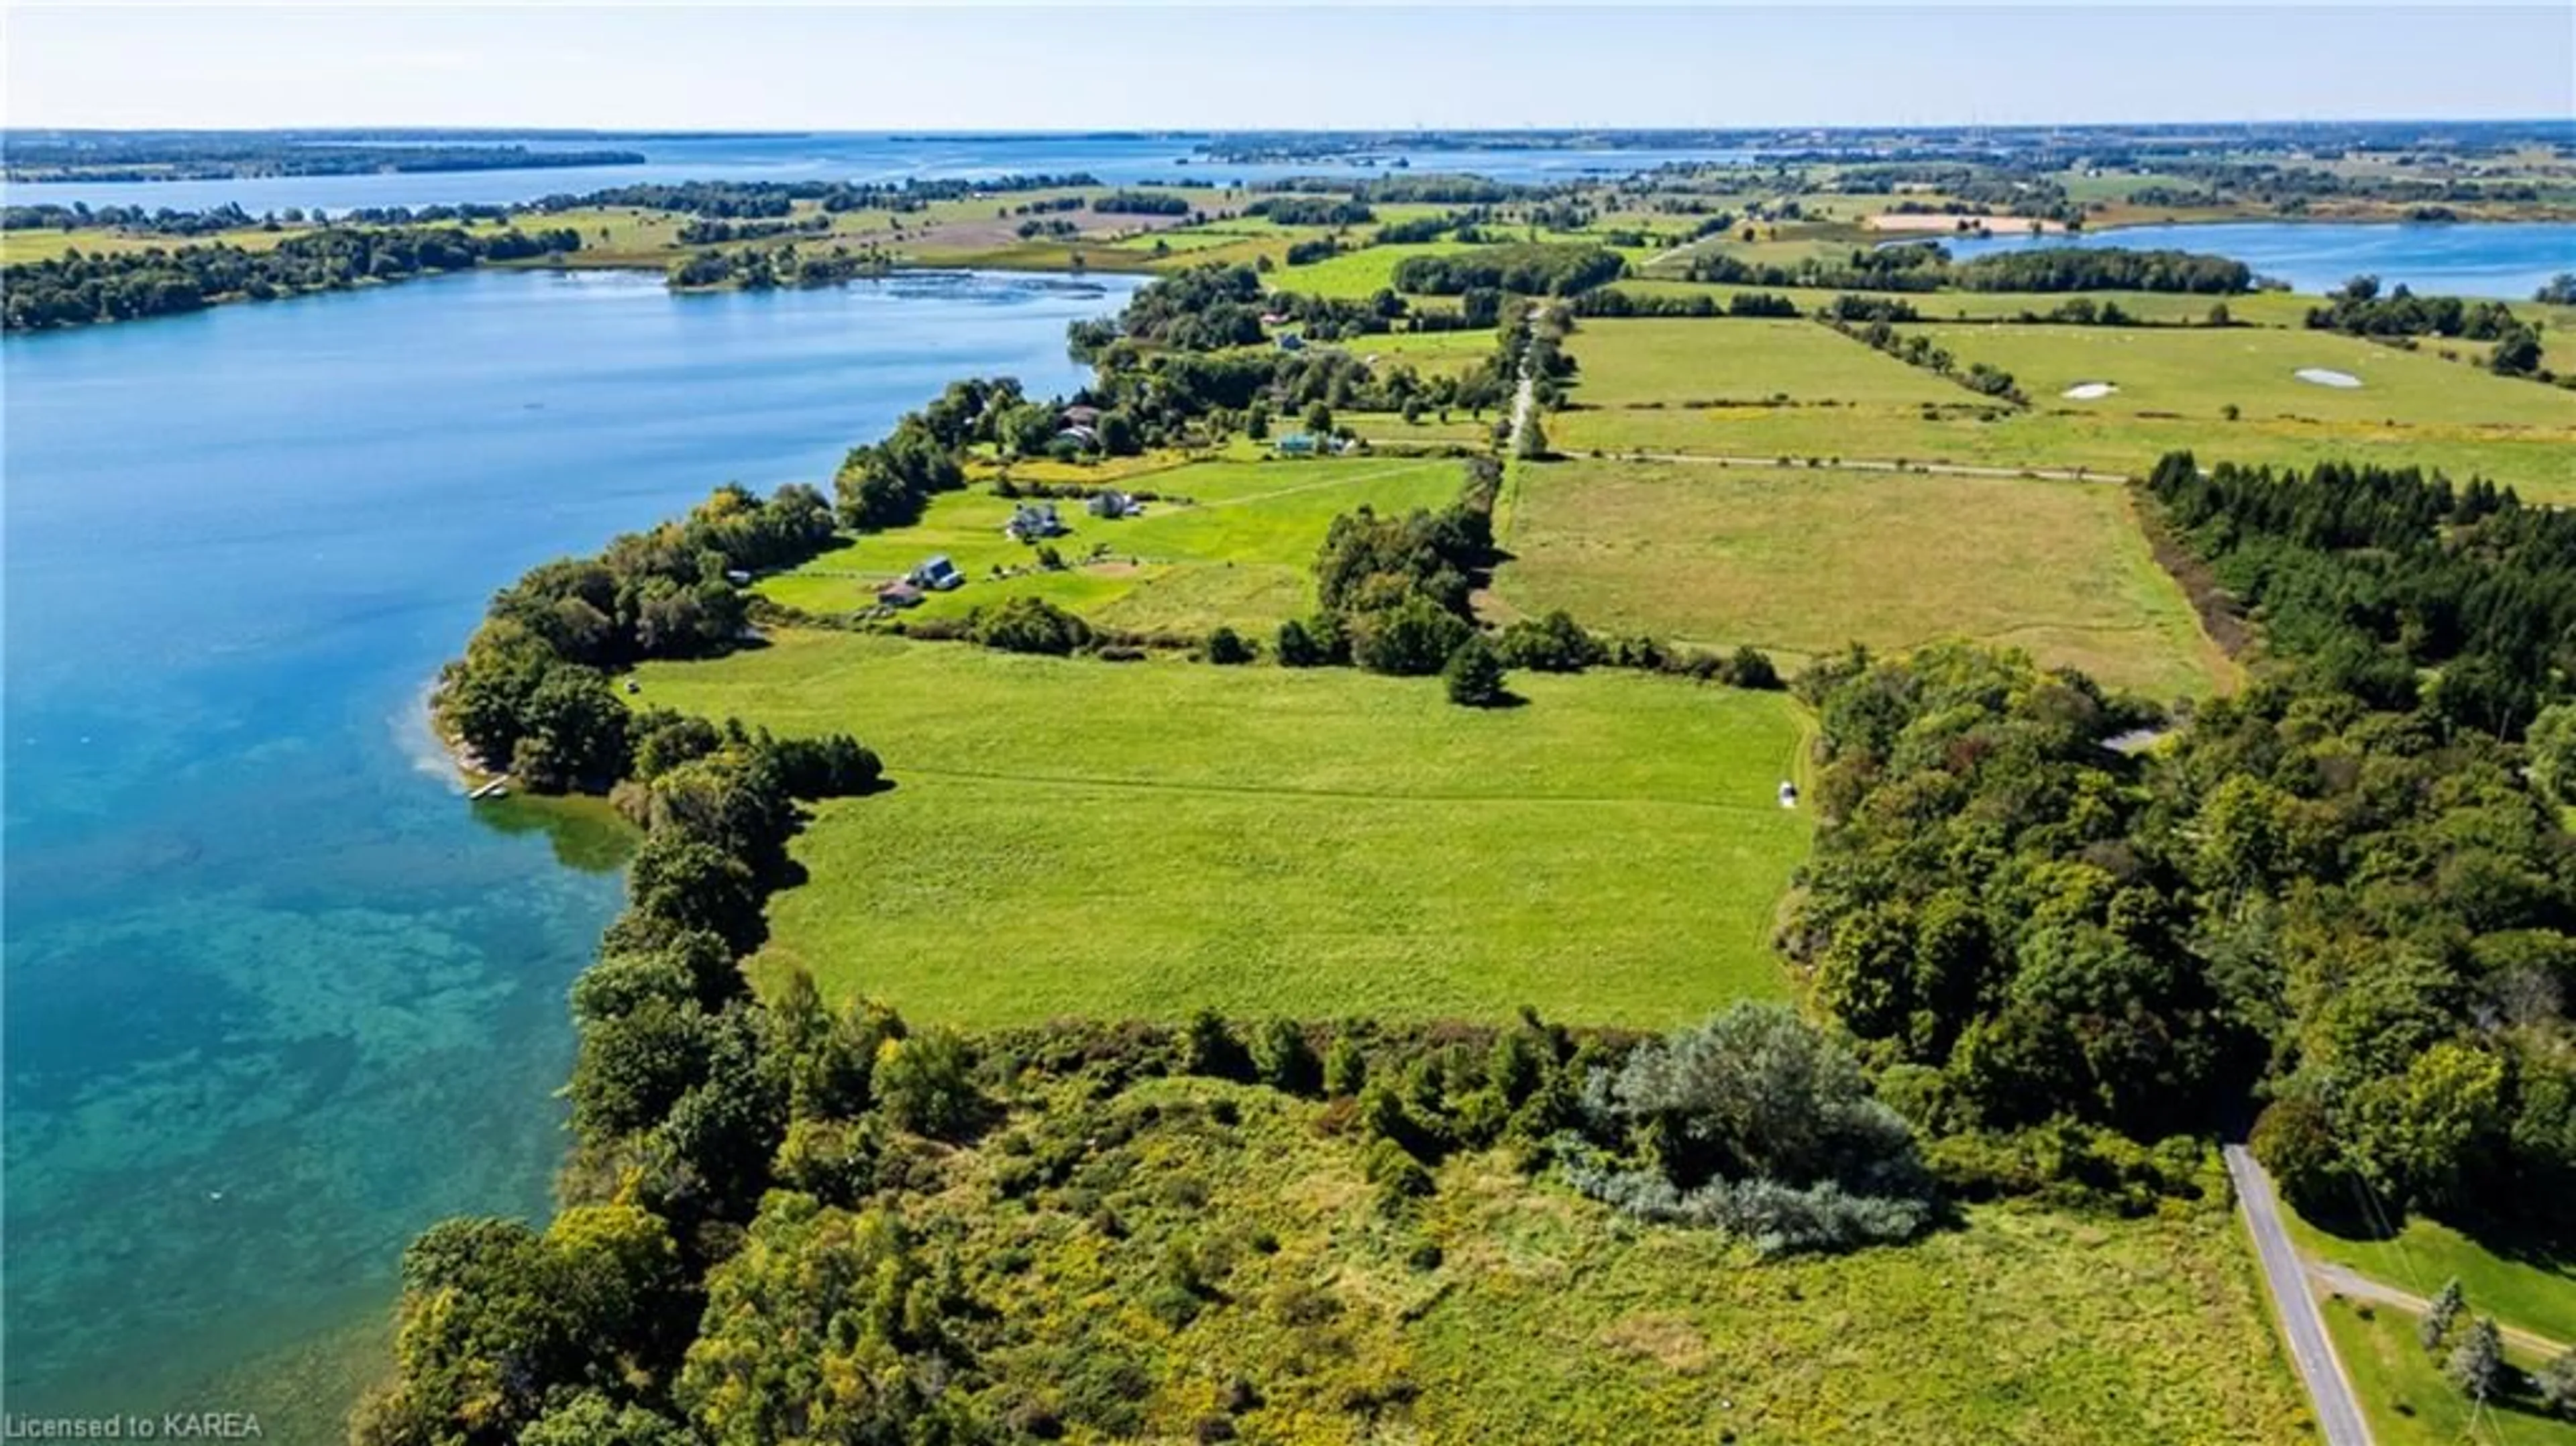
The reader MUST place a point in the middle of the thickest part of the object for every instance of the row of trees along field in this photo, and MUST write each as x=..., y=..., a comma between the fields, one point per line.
x=2347, y=894
x=77, y=288
x=1926, y=266
x=2358, y=309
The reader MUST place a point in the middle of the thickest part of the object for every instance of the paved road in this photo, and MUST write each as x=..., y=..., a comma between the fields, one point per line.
x=2339, y=1416
x=2344, y=1280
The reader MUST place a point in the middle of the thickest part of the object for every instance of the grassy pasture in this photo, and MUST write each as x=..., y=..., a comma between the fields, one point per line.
x=2197, y=373
x=1804, y=561
x=1358, y=274
x=1239, y=553
x=1428, y=352
x=2536, y=460
x=1659, y=361
x=1068, y=837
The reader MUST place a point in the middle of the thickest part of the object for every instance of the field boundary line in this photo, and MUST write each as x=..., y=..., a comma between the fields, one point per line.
x=1877, y=464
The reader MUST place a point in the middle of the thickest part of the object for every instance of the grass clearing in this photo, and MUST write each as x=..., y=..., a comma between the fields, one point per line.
x=1069, y=837
x=1803, y=561
x=1239, y=553
x=1360, y=274
x=2197, y=373
x=2538, y=1294
x=2408, y=1400
x=1666, y=362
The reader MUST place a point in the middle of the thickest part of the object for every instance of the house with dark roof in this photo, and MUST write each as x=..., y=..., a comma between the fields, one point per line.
x=938, y=575
x=1031, y=521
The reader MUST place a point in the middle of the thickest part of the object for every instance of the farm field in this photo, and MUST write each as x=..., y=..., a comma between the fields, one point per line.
x=2198, y=373
x=1663, y=362
x=1544, y=1318
x=1358, y=274
x=1803, y=561
x=2408, y=1400
x=1071, y=837
x=1239, y=552
x=2540, y=462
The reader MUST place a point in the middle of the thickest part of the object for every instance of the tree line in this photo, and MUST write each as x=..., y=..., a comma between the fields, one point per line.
x=1525, y=269
x=531, y=694
x=78, y=288
x=2358, y=309
x=2344, y=897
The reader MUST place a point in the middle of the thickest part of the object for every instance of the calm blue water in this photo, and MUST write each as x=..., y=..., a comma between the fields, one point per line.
x=2509, y=261
x=276, y=995
x=1115, y=159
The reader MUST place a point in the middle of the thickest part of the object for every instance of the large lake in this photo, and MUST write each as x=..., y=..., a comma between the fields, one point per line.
x=2508, y=260
x=1118, y=160
x=277, y=995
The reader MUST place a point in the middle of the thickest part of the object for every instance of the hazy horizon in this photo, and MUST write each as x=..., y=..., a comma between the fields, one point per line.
x=1108, y=69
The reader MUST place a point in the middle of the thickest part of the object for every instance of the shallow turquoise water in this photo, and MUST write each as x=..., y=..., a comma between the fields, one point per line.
x=276, y=996
x=2508, y=260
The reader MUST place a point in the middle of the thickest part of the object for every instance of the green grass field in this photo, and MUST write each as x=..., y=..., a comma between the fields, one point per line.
x=1544, y=1318
x=2196, y=373
x=1803, y=561
x=1239, y=553
x=2537, y=461
x=1357, y=274
x=1070, y=837
x=1660, y=362
x=2535, y=1294
x=2408, y=1400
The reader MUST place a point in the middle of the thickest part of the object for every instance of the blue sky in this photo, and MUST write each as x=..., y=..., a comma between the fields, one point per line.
x=1082, y=67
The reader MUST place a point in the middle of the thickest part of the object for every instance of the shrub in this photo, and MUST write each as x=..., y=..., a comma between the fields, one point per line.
x=1226, y=647
x=1473, y=676
x=1028, y=625
x=927, y=1085
x=1283, y=1059
x=1345, y=1068
x=1414, y=638
x=1552, y=644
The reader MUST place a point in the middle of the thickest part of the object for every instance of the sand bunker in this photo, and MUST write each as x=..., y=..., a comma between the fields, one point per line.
x=2088, y=391
x=2326, y=378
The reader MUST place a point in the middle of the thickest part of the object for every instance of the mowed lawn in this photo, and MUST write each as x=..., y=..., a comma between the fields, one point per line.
x=1072, y=837
x=2407, y=1398
x=2199, y=372
x=2536, y=1294
x=1239, y=551
x=1805, y=560
x=1664, y=362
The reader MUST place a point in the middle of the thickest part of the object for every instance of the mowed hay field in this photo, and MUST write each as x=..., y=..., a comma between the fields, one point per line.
x=1071, y=837
x=1663, y=362
x=1239, y=551
x=2539, y=462
x=1805, y=560
x=2197, y=372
